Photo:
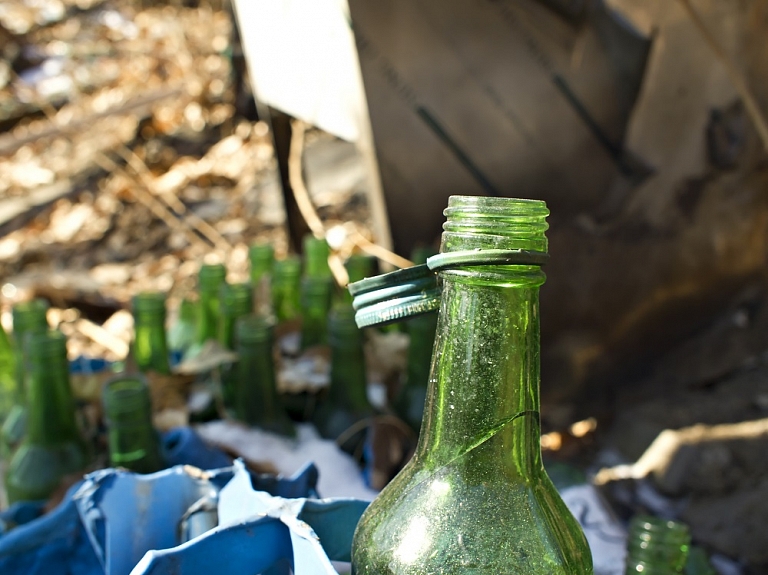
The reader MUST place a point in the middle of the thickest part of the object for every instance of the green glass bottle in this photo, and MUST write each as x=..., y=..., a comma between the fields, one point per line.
x=285, y=288
x=347, y=401
x=315, y=292
x=133, y=441
x=52, y=446
x=657, y=546
x=182, y=333
x=9, y=392
x=210, y=280
x=359, y=267
x=262, y=258
x=257, y=402
x=28, y=317
x=150, y=348
x=475, y=497
x=409, y=403
x=236, y=301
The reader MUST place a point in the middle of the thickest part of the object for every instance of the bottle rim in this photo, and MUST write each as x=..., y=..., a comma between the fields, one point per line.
x=152, y=302
x=236, y=298
x=30, y=314
x=211, y=276
x=126, y=394
x=43, y=347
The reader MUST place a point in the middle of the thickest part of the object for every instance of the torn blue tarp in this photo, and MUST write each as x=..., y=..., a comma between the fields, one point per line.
x=302, y=536
x=108, y=522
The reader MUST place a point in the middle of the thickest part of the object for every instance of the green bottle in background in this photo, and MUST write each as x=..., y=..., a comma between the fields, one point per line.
x=181, y=334
x=409, y=403
x=359, y=267
x=657, y=546
x=9, y=392
x=236, y=301
x=150, y=348
x=315, y=292
x=285, y=288
x=262, y=259
x=52, y=447
x=28, y=317
x=475, y=498
x=257, y=402
x=133, y=441
x=347, y=401
x=210, y=280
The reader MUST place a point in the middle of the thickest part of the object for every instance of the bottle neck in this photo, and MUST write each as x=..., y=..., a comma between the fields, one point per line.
x=484, y=381
x=51, y=409
x=150, y=348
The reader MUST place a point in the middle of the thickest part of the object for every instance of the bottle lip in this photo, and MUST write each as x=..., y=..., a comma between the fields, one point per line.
x=212, y=275
x=253, y=328
x=29, y=315
x=126, y=394
x=42, y=347
x=149, y=302
x=236, y=298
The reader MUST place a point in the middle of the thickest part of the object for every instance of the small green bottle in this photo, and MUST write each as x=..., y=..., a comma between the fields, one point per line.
x=150, y=348
x=347, y=401
x=133, y=441
x=257, y=402
x=9, y=392
x=285, y=288
x=409, y=403
x=316, y=291
x=182, y=333
x=236, y=301
x=52, y=447
x=657, y=546
x=262, y=258
x=28, y=317
x=475, y=497
x=210, y=280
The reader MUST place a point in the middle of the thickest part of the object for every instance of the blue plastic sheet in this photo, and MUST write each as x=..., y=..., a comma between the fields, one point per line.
x=120, y=523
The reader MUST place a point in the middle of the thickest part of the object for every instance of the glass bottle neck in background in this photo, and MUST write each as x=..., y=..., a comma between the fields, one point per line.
x=348, y=374
x=51, y=417
x=236, y=302
x=133, y=441
x=285, y=288
x=210, y=280
x=150, y=347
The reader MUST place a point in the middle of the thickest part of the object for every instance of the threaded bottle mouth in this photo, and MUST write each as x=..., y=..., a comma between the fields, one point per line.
x=253, y=329
x=211, y=276
x=30, y=316
x=126, y=396
x=44, y=349
x=236, y=299
x=287, y=270
x=316, y=252
x=150, y=303
x=479, y=222
x=261, y=256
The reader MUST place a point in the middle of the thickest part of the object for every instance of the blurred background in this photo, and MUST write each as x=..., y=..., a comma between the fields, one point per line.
x=139, y=139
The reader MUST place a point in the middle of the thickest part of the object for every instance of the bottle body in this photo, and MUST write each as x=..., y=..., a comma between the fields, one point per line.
x=150, y=347
x=52, y=447
x=133, y=441
x=409, y=403
x=347, y=401
x=257, y=402
x=9, y=392
x=475, y=498
x=28, y=317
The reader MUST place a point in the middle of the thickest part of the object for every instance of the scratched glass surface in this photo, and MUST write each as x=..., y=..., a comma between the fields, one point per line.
x=475, y=499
